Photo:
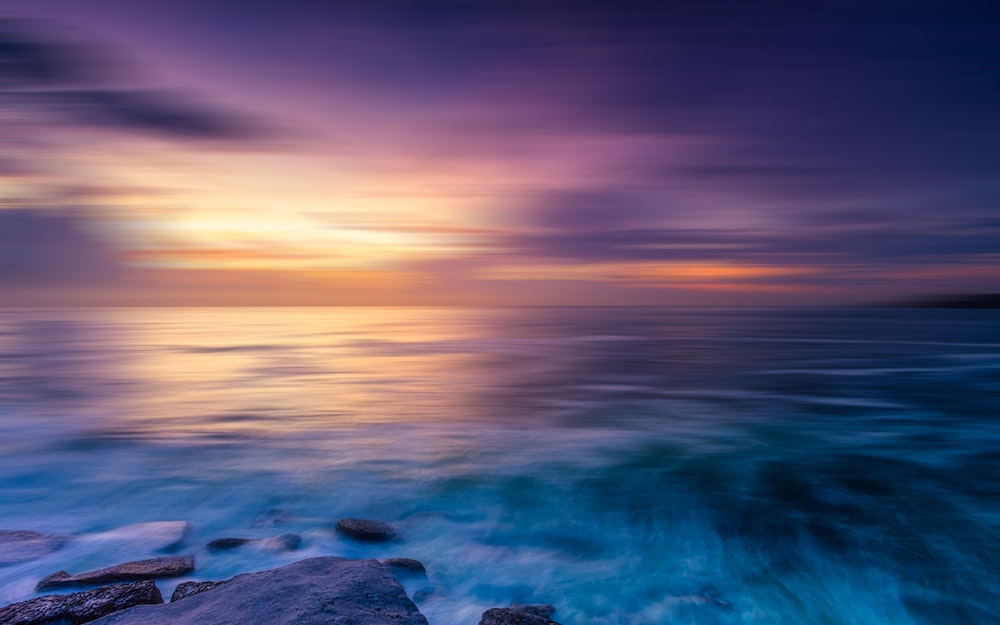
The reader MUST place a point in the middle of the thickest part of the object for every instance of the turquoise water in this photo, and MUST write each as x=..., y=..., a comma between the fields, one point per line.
x=644, y=465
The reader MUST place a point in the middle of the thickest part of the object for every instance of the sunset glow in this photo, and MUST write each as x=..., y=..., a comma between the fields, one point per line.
x=488, y=155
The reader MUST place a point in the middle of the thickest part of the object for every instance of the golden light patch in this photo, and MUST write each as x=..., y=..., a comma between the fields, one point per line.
x=650, y=273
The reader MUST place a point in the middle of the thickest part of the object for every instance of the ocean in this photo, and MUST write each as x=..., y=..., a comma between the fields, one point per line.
x=627, y=465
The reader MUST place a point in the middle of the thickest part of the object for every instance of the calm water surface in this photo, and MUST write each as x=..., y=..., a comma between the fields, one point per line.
x=836, y=466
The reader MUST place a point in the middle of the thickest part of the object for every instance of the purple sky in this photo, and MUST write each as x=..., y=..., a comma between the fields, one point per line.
x=717, y=152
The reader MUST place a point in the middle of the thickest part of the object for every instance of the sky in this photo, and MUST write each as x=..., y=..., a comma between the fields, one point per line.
x=524, y=152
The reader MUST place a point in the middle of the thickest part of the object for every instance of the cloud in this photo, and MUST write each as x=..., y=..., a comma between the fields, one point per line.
x=584, y=227
x=69, y=83
x=168, y=113
x=30, y=60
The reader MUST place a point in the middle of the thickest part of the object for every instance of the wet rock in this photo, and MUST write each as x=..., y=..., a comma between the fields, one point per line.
x=543, y=610
x=509, y=616
x=273, y=518
x=80, y=607
x=366, y=530
x=317, y=591
x=225, y=544
x=167, y=566
x=155, y=536
x=187, y=589
x=408, y=565
x=282, y=542
x=24, y=545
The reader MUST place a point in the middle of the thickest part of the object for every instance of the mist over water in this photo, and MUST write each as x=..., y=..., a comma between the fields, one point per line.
x=626, y=465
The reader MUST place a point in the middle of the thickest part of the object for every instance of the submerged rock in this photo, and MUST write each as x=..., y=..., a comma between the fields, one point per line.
x=80, y=607
x=510, y=616
x=167, y=566
x=543, y=610
x=24, y=545
x=225, y=544
x=187, y=589
x=406, y=564
x=273, y=518
x=154, y=536
x=366, y=530
x=317, y=591
x=282, y=542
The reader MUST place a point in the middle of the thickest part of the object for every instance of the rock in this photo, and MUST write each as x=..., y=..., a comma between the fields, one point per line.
x=543, y=610
x=167, y=566
x=282, y=542
x=317, y=591
x=273, y=518
x=80, y=607
x=510, y=616
x=187, y=589
x=406, y=564
x=366, y=530
x=155, y=536
x=23, y=545
x=225, y=544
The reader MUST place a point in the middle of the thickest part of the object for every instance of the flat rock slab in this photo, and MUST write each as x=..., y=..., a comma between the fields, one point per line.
x=24, y=545
x=366, y=530
x=80, y=607
x=510, y=616
x=167, y=566
x=317, y=591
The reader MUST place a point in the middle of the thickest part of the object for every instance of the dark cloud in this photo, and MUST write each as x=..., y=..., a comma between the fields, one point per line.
x=42, y=74
x=28, y=59
x=165, y=113
x=42, y=249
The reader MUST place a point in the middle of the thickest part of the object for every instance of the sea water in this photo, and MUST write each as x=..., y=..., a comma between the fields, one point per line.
x=627, y=465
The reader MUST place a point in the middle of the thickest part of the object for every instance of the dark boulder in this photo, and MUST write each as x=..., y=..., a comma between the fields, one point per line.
x=366, y=530
x=167, y=566
x=317, y=591
x=23, y=545
x=187, y=589
x=80, y=607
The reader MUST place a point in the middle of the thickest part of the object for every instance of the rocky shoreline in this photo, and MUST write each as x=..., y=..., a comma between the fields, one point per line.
x=312, y=591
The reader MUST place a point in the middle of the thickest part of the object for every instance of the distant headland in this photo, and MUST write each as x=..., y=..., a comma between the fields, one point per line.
x=967, y=300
